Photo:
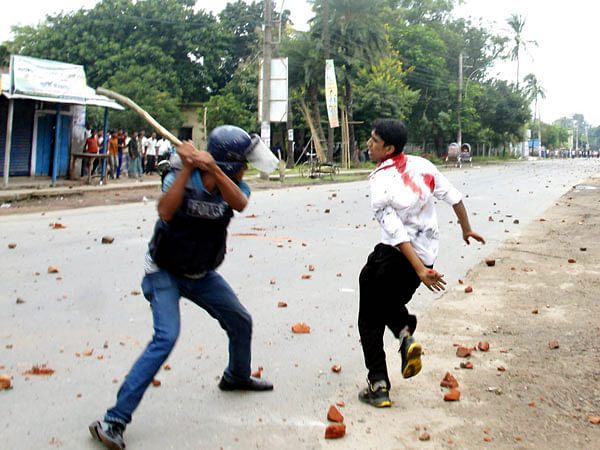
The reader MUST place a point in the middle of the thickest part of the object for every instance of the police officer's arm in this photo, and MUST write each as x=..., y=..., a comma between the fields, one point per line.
x=171, y=200
x=230, y=191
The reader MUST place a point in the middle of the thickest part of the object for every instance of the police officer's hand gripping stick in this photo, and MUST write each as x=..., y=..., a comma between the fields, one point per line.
x=257, y=153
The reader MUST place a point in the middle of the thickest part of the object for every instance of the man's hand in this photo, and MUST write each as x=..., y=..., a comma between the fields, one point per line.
x=472, y=234
x=191, y=156
x=432, y=279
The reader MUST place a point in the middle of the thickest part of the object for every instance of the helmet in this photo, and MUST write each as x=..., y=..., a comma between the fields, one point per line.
x=232, y=148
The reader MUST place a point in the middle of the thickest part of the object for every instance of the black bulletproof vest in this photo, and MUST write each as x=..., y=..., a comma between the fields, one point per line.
x=194, y=240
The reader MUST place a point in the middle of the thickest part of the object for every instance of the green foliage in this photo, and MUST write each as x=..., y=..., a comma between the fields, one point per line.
x=380, y=92
x=555, y=136
x=226, y=109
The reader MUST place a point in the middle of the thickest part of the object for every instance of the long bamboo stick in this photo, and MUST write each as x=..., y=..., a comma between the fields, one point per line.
x=126, y=101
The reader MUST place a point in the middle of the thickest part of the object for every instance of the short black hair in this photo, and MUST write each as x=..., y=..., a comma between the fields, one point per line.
x=393, y=132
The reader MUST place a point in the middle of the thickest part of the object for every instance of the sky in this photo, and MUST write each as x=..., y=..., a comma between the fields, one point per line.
x=564, y=61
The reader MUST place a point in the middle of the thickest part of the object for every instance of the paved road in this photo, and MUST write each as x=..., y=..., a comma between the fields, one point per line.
x=89, y=305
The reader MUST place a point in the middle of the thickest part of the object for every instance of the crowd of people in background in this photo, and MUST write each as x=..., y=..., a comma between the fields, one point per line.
x=132, y=154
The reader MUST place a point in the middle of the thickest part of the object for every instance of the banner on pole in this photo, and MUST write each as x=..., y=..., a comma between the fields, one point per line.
x=331, y=94
x=278, y=106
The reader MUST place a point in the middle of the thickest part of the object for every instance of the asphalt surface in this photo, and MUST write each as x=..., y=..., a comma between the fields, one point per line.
x=90, y=305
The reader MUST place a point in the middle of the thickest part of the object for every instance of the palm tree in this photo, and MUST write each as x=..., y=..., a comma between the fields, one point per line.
x=517, y=24
x=358, y=38
x=533, y=91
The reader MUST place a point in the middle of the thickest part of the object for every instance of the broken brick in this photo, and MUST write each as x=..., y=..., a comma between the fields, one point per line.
x=156, y=383
x=334, y=415
x=300, y=327
x=490, y=262
x=52, y=269
x=336, y=369
x=4, y=381
x=449, y=381
x=468, y=289
x=483, y=346
x=425, y=436
x=311, y=268
x=306, y=277
x=335, y=431
x=571, y=260
x=553, y=344
x=107, y=239
x=463, y=352
x=466, y=365
x=595, y=420
x=501, y=369
x=452, y=396
x=12, y=245
x=281, y=304
x=535, y=311
x=40, y=370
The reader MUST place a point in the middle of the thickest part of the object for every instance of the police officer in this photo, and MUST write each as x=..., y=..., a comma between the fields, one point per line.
x=199, y=195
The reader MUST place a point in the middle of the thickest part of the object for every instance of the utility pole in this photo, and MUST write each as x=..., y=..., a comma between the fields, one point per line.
x=326, y=46
x=460, y=93
x=265, y=129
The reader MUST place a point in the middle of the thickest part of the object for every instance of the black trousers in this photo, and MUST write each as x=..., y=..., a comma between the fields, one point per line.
x=387, y=283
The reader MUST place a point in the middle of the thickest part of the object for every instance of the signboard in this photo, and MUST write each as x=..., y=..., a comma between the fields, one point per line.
x=45, y=78
x=331, y=94
x=265, y=133
x=534, y=143
x=278, y=106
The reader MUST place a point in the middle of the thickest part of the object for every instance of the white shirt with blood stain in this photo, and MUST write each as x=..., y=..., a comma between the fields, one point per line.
x=403, y=190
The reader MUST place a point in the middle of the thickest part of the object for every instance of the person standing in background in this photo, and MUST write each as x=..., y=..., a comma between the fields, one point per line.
x=151, y=148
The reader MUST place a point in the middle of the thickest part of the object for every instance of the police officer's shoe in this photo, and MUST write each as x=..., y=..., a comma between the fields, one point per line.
x=109, y=433
x=411, y=356
x=376, y=394
x=251, y=384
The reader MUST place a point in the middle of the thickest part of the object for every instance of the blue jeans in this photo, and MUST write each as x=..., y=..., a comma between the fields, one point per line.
x=163, y=291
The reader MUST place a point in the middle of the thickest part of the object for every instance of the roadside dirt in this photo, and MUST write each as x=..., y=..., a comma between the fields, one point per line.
x=521, y=393
x=77, y=199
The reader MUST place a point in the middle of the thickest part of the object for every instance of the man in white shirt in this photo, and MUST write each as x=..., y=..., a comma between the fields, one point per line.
x=403, y=191
x=164, y=149
x=150, y=148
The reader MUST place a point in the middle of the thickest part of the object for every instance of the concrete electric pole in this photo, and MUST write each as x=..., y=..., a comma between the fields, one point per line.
x=460, y=94
x=265, y=120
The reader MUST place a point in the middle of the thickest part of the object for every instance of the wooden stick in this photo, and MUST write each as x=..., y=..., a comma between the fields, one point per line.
x=126, y=101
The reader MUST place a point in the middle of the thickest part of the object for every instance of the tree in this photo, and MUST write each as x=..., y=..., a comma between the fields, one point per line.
x=358, y=38
x=533, y=91
x=504, y=112
x=381, y=92
x=226, y=109
x=517, y=24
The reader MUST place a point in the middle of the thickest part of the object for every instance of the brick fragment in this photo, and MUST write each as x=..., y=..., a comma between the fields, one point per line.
x=449, y=381
x=463, y=352
x=336, y=368
x=595, y=420
x=468, y=289
x=490, y=262
x=553, y=344
x=466, y=365
x=4, y=381
x=107, y=239
x=300, y=327
x=483, y=346
x=425, y=436
x=452, y=396
x=156, y=383
x=334, y=415
x=335, y=431
x=281, y=304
